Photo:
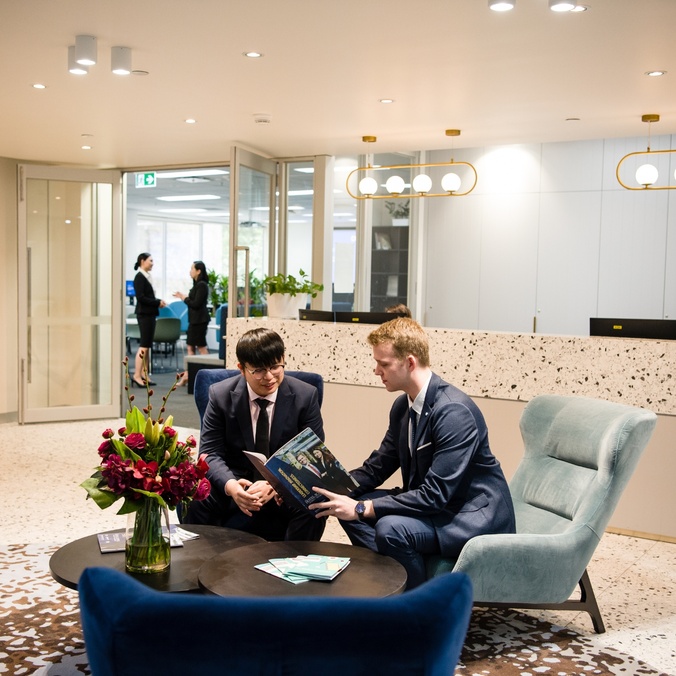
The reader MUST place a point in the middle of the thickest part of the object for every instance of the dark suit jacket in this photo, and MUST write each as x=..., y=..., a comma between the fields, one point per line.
x=227, y=431
x=196, y=301
x=452, y=477
x=146, y=303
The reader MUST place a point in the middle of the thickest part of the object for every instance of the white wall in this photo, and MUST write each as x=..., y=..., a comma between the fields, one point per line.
x=8, y=291
x=550, y=234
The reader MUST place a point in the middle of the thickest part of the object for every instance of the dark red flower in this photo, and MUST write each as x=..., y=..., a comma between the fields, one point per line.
x=118, y=473
x=203, y=490
x=108, y=434
x=145, y=474
x=105, y=449
x=136, y=441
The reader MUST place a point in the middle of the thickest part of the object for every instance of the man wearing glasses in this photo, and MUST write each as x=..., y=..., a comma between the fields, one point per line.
x=260, y=410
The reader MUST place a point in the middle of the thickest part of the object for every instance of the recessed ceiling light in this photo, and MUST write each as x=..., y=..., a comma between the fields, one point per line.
x=655, y=73
x=194, y=179
x=187, y=198
x=37, y=85
x=189, y=173
x=386, y=100
x=253, y=55
x=178, y=210
x=191, y=120
x=86, y=147
x=580, y=8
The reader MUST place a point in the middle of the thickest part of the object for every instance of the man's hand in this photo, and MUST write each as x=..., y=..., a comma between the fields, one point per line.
x=338, y=505
x=249, y=497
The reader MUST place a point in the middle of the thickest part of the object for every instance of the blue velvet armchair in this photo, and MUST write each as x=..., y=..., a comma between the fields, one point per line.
x=132, y=630
x=579, y=456
x=205, y=378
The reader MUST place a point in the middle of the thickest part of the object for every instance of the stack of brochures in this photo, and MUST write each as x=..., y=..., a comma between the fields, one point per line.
x=114, y=541
x=304, y=568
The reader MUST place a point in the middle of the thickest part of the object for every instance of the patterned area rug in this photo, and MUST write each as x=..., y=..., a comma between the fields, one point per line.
x=40, y=632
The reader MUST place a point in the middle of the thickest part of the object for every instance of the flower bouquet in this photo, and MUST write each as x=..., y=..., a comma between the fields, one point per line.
x=148, y=467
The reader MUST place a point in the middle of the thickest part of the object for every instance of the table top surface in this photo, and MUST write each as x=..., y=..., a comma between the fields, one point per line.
x=68, y=562
x=369, y=574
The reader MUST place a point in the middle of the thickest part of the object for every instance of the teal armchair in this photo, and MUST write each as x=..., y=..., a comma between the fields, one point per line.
x=579, y=454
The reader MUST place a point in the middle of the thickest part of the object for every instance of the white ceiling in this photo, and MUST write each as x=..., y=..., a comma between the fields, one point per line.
x=500, y=78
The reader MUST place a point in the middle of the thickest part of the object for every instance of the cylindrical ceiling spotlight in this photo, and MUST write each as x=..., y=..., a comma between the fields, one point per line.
x=501, y=5
x=85, y=50
x=73, y=66
x=120, y=60
x=562, y=5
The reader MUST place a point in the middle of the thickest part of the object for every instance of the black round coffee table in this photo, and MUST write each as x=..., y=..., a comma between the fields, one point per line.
x=68, y=562
x=232, y=573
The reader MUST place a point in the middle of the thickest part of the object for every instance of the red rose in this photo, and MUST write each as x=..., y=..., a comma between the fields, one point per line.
x=105, y=449
x=136, y=441
x=203, y=490
x=108, y=433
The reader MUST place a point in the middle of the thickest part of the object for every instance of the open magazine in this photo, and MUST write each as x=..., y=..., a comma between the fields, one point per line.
x=299, y=465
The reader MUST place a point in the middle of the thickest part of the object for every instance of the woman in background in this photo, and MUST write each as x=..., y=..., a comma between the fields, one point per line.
x=147, y=309
x=198, y=315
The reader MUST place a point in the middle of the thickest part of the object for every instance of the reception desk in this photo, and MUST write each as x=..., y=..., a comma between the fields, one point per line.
x=501, y=372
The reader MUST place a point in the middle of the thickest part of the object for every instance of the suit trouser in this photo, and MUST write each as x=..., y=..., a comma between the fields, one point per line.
x=406, y=539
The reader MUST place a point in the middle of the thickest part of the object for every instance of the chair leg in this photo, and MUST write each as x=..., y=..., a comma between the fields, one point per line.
x=587, y=604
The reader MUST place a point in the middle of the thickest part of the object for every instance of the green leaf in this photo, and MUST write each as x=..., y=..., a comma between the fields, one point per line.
x=103, y=498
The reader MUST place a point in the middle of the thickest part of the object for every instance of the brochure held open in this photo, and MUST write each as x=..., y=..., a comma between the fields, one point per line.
x=300, y=464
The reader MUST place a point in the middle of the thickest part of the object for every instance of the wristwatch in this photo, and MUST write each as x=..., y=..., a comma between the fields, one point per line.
x=359, y=510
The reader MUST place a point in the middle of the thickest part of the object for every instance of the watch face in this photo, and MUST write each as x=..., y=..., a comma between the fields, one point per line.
x=360, y=508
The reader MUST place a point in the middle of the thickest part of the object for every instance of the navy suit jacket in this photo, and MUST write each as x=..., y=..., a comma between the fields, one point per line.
x=451, y=478
x=227, y=431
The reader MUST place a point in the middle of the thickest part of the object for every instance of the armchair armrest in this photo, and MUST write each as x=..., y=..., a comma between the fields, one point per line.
x=526, y=568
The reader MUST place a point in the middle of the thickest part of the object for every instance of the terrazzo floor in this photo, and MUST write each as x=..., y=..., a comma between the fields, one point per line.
x=41, y=467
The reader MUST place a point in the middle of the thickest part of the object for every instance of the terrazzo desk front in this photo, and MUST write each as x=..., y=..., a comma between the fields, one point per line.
x=501, y=372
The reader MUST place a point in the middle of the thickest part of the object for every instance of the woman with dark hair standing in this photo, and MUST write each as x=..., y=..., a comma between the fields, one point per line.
x=198, y=315
x=147, y=309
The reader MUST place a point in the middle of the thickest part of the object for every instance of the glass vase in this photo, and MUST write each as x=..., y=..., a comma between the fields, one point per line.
x=147, y=548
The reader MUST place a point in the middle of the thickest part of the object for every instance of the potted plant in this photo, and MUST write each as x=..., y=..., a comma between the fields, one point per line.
x=218, y=290
x=399, y=212
x=287, y=294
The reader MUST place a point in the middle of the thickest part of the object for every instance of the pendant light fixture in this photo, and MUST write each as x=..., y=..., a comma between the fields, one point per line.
x=422, y=184
x=647, y=174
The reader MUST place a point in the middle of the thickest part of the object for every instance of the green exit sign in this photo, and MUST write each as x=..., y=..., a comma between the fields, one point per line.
x=146, y=179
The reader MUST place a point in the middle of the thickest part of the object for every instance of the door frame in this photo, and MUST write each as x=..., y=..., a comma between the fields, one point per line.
x=86, y=412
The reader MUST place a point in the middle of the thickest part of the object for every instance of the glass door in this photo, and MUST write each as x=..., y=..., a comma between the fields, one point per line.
x=252, y=231
x=70, y=294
